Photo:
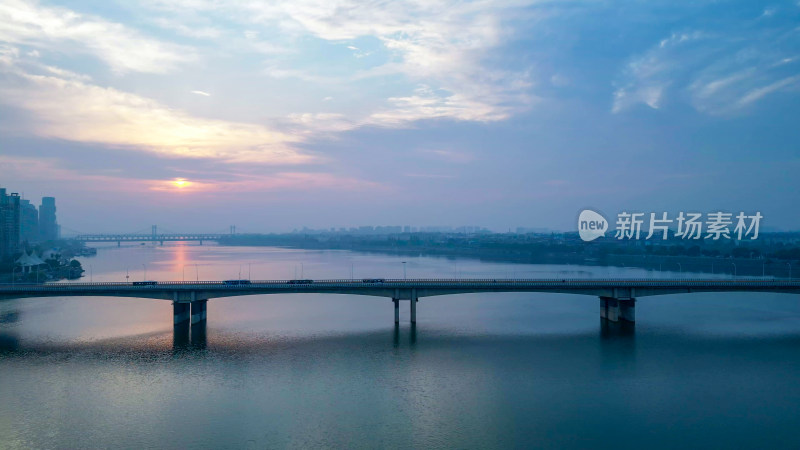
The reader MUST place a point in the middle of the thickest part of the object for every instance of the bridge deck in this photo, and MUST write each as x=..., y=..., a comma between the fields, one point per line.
x=617, y=297
x=399, y=288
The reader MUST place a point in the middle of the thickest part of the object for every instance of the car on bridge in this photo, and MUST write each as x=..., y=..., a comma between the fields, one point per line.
x=373, y=280
x=145, y=283
x=300, y=281
x=235, y=282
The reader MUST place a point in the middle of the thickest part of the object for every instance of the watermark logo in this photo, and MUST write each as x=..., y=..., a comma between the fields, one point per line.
x=687, y=225
x=591, y=225
x=690, y=225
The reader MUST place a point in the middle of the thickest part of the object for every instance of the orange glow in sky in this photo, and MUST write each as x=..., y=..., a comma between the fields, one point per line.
x=178, y=185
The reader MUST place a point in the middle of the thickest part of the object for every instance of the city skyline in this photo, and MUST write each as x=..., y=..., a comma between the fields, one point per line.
x=22, y=224
x=501, y=115
x=32, y=231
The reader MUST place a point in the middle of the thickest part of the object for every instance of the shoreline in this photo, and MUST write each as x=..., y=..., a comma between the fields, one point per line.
x=704, y=264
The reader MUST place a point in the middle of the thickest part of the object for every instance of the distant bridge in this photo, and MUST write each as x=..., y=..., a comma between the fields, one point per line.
x=153, y=236
x=189, y=299
x=119, y=238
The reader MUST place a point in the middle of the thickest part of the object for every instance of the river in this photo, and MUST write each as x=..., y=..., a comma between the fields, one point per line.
x=527, y=370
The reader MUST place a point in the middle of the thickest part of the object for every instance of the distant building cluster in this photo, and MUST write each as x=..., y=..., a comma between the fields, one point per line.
x=368, y=230
x=21, y=222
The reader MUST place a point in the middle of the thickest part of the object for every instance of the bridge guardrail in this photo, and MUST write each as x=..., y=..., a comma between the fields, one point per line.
x=429, y=282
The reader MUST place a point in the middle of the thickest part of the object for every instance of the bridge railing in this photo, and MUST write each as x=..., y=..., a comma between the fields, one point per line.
x=456, y=282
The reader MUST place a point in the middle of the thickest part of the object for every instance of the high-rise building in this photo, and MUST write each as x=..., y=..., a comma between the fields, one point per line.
x=48, y=226
x=29, y=222
x=9, y=223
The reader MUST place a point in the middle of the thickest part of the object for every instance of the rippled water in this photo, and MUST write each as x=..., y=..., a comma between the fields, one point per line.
x=478, y=370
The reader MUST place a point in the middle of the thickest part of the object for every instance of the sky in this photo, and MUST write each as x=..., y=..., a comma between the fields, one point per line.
x=200, y=114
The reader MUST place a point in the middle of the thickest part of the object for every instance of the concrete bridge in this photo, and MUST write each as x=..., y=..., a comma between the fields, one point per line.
x=189, y=299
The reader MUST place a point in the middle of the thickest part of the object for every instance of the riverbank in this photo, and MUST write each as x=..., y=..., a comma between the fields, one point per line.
x=527, y=252
x=57, y=263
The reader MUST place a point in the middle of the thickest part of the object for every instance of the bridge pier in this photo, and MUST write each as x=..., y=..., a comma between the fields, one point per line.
x=199, y=311
x=198, y=335
x=616, y=309
x=627, y=310
x=396, y=302
x=180, y=335
x=414, y=301
x=180, y=312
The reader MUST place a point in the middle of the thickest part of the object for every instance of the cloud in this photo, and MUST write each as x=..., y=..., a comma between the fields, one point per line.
x=194, y=31
x=434, y=62
x=22, y=169
x=311, y=124
x=63, y=31
x=281, y=74
x=444, y=44
x=357, y=52
x=428, y=104
x=280, y=181
x=400, y=112
x=649, y=94
x=70, y=108
x=646, y=78
x=722, y=70
x=759, y=93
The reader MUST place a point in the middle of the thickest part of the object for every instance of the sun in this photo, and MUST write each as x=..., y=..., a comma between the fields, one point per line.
x=177, y=185
x=181, y=183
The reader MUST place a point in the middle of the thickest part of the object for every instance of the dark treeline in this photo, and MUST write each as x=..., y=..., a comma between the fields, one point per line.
x=771, y=254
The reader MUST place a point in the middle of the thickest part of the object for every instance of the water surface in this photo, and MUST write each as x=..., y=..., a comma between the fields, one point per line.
x=477, y=371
